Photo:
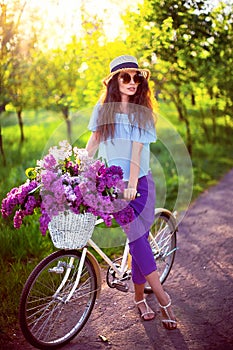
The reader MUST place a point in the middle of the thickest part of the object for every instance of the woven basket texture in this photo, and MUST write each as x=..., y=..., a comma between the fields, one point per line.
x=71, y=231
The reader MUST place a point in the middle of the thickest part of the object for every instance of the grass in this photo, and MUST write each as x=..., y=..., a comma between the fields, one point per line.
x=179, y=180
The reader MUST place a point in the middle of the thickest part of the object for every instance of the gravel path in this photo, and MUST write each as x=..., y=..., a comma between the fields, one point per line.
x=200, y=285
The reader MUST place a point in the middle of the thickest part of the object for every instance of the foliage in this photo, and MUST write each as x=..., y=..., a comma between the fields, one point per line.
x=181, y=45
x=16, y=49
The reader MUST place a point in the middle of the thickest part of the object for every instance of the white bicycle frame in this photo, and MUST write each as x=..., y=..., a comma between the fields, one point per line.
x=119, y=271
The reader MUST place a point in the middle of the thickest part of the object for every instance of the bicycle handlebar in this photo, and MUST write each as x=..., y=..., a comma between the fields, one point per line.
x=121, y=195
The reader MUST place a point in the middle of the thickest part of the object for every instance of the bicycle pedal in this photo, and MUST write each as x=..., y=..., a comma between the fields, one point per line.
x=123, y=287
x=57, y=269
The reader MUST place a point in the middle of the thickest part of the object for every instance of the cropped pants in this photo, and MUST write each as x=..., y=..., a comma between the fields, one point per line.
x=137, y=231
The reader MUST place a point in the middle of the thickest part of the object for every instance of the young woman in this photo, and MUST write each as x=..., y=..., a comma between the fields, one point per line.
x=123, y=126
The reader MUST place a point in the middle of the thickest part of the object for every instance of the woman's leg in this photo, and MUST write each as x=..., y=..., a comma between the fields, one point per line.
x=143, y=264
x=146, y=312
x=139, y=250
x=144, y=269
x=163, y=299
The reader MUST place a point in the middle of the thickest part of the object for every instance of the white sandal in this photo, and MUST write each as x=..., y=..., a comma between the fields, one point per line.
x=147, y=312
x=168, y=319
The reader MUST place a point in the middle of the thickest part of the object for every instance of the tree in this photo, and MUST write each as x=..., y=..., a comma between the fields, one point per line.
x=97, y=53
x=9, y=22
x=179, y=34
x=12, y=68
x=222, y=57
x=20, y=85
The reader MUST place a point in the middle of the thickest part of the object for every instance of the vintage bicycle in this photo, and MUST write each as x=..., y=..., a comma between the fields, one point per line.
x=60, y=293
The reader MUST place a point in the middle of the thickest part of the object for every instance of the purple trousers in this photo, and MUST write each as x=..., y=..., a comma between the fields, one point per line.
x=143, y=262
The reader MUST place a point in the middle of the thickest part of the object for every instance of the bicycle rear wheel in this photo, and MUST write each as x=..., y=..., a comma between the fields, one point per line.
x=47, y=320
x=163, y=244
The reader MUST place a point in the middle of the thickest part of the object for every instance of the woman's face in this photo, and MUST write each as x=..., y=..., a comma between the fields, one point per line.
x=128, y=81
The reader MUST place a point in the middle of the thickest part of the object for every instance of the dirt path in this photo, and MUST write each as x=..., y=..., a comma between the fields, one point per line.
x=200, y=284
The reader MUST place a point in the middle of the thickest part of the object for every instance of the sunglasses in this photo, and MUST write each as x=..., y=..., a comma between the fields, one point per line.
x=126, y=78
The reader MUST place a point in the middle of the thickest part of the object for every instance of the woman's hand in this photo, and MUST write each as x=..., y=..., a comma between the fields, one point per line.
x=130, y=193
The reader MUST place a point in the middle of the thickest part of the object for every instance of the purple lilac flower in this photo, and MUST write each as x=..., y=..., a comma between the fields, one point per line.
x=101, y=184
x=49, y=162
x=47, y=178
x=109, y=178
x=107, y=219
x=67, y=180
x=114, y=174
x=18, y=218
x=93, y=170
x=44, y=221
x=72, y=168
x=102, y=170
x=53, y=205
x=30, y=205
x=8, y=205
x=75, y=180
x=88, y=187
x=124, y=216
x=69, y=193
x=16, y=197
x=78, y=193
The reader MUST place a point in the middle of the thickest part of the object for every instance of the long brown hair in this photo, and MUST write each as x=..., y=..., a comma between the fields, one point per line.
x=139, y=108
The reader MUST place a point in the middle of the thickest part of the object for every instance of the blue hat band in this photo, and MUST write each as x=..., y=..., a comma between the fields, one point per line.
x=125, y=65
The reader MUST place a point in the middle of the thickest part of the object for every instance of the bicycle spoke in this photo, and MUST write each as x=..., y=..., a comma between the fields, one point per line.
x=163, y=245
x=46, y=319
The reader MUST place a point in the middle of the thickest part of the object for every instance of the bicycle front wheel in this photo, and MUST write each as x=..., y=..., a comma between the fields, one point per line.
x=47, y=318
x=163, y=244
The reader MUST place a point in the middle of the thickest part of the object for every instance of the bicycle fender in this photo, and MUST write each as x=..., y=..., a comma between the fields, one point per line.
x=97, y=271
x=169, y=214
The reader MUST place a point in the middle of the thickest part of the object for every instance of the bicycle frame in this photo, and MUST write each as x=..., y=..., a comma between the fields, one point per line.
x=119, y=271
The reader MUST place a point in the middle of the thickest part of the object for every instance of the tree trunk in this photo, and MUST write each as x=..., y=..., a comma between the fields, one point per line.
x=1, y=147
x=20, y=121
x=193, y=100
x=213, y=116
x=188, y=136
x=68, y=124
x=203, y=124
x=183, y=116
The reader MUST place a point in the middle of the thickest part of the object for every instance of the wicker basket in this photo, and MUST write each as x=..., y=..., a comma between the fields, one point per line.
x=71, y=231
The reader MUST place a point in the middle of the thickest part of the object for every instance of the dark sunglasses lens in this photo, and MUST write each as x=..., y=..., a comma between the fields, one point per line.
x=138, y=78
x=126, y=78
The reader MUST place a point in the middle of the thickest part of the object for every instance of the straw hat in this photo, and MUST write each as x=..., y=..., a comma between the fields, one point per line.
x=125, y=62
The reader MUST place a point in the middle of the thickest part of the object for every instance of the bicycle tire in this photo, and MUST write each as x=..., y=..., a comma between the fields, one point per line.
x=45, y=319
x=164, y=232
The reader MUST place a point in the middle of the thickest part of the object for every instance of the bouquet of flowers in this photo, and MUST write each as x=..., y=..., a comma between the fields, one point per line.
x=67, y=179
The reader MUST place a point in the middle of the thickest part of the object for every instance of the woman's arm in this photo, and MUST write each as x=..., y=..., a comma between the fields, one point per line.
x=131, y=191
x=93, y=143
